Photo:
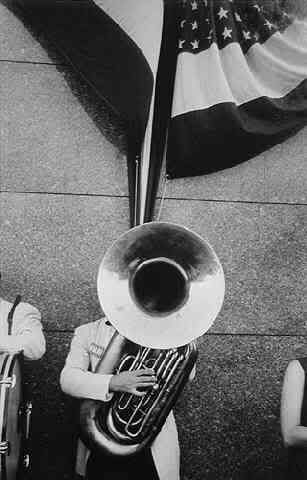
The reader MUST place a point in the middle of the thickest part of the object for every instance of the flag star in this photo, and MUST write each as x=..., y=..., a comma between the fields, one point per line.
x=194, y=25
x=182, y=23
x=237, y=17
x=257, y=7
x=247, y=35
x=181, y=42
x=227, y=33
x=269, y=24
x=194, y=5
x=195, y=44
x=222, y=13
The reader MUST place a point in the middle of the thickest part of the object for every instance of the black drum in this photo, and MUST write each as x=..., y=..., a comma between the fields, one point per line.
x=14, y=419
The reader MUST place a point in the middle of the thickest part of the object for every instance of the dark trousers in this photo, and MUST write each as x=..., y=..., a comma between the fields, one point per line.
x=104, y=467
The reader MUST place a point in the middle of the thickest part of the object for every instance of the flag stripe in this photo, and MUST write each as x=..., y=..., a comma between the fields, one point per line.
x=142, y=21
x=224, y=135
x=103, y=54
x=216, y=76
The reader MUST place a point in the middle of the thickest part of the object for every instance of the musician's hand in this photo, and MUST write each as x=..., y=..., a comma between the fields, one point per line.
x=131, y=381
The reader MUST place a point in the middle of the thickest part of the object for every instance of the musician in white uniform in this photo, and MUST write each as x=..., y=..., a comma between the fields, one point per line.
x=26, y=335
x=78, y=380
x=157, y=292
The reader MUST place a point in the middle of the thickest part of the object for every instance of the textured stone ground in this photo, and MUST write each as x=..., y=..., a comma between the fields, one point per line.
x=64, y=200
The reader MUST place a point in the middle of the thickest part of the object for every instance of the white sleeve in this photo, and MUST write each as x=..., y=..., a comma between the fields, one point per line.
x=27, y=334
x=75, y=378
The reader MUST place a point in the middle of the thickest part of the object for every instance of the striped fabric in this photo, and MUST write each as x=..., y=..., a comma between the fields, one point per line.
x=241, y=83
x=224, y=79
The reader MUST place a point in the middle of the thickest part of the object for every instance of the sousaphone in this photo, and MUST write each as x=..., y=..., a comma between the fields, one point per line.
x=161, y=286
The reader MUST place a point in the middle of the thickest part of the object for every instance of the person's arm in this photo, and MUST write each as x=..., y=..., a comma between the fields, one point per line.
x=27, y=335
x=293, y=433
x=78, y=382
x=75, y=379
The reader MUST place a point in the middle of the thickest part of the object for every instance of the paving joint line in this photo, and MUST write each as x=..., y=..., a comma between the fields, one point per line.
x=108, y=195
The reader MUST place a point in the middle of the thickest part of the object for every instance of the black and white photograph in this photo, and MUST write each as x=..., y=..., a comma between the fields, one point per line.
x=153, y=260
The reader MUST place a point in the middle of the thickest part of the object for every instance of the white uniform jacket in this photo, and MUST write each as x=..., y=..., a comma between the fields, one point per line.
x=27, y=334
x=77, y=380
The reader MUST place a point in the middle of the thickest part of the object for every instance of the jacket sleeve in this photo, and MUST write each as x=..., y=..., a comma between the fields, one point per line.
x=27, y=334
x=75, y=378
